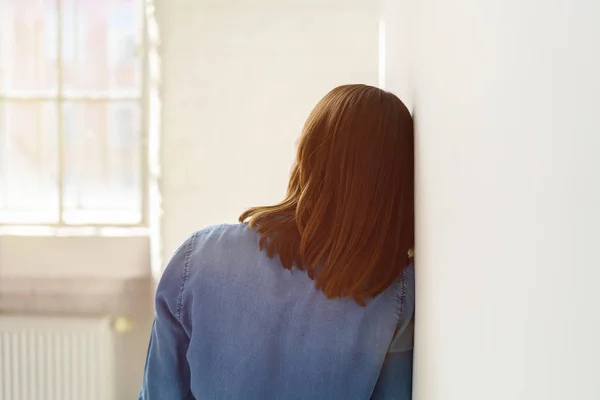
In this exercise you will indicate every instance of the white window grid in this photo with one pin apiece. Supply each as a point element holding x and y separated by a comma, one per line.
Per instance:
<point>59,97</point>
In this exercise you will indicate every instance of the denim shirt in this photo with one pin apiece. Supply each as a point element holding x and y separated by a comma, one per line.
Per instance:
<point>232,323</point>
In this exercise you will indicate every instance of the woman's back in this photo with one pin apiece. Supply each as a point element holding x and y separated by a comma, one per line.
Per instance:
<point>250,329</point>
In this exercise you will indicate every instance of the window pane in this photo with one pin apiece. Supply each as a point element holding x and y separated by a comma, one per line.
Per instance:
<point>28,45</point>
<point>28,162</point>
<point>102,178</point>
<point>100,41</point>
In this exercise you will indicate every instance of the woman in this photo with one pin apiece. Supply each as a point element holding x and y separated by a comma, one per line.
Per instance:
<point>311,298</point>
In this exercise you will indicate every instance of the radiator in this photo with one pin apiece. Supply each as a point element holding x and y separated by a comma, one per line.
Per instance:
<point>45,358</point>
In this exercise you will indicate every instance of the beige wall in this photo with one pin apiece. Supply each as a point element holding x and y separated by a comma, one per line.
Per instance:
<point>74,257</point>
<point>239,79</point>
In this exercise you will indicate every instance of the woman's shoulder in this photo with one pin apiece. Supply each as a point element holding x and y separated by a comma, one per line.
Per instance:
<point>214,248</point>
<point>214,243</point>
<point>231,236</point>
<point>226,229</point>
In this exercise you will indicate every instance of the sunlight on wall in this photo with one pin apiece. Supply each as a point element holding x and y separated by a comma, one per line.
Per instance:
<point>154,108</point>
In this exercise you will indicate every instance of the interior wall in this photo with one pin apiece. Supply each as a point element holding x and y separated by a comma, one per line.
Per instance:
<point>238,81</point>
<point>397,44</point>
<point>508,218</point>
<point>42,257</point>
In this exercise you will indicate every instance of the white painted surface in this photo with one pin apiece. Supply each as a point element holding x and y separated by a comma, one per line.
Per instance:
<point>74,257</point>
<point>45,358</point>
<point>239,80</point>
<point>508,242</point>
<point>396,19</point>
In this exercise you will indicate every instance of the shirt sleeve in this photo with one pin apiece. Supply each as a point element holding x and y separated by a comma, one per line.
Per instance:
<point>167,374</point>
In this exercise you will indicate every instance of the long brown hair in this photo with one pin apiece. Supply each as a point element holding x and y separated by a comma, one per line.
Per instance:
<point>348,217</point>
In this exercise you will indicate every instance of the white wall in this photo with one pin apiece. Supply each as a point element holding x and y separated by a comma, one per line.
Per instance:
<point>238,80</point>
<point>74,257</point>
<point>508,174</point>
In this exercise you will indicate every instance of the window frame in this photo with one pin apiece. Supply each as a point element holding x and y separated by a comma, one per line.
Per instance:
<point>58,98</point>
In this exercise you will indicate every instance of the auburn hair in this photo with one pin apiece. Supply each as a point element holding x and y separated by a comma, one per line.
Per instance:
<point>348,217</point>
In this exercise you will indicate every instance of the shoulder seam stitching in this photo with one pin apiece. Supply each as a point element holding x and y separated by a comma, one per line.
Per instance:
<point>186,268</point>
<point>401,294</point>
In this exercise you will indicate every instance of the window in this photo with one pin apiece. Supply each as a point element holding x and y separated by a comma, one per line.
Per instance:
<point>71,140</point>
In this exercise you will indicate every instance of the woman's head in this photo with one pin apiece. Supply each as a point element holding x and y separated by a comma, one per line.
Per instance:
<point>348,217</point>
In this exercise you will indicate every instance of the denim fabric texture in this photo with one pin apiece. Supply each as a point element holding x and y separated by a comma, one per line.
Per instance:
<point>232,323</point>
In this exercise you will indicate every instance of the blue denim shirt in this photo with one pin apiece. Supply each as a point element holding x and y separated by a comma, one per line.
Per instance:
<point>232,323</point>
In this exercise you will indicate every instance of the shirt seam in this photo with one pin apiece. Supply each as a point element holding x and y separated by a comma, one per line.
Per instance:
<point>401,311</point>
<point>401,296</point>
<point>189,247</point>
